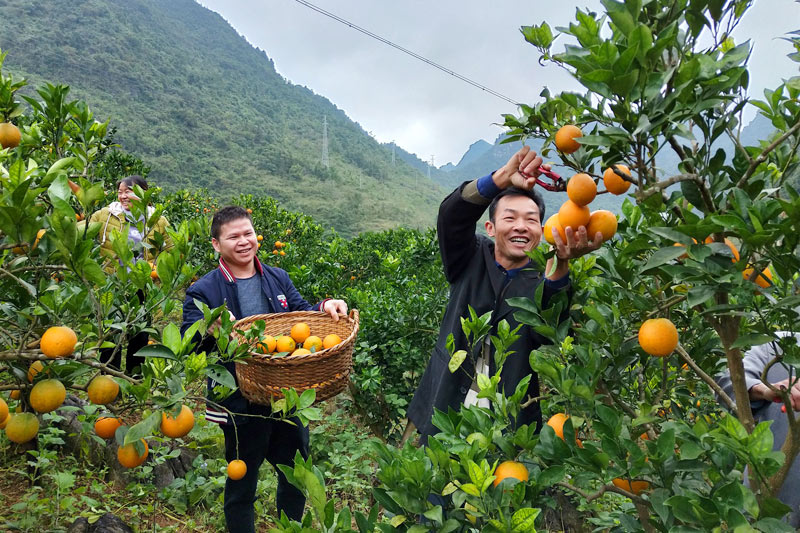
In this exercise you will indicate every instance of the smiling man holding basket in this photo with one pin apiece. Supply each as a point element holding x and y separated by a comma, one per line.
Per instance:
<point>248,287</point>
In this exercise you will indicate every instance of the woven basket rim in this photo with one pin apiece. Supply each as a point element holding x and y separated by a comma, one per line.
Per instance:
<point>261,358</point>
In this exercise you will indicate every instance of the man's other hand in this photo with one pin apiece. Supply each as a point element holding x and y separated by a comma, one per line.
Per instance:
<point>335,308</point>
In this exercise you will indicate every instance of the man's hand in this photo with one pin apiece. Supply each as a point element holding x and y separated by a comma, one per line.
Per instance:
<point>526,162</point>
<point>759,391</point>
<point>577,243</point>
<point>335,308</point>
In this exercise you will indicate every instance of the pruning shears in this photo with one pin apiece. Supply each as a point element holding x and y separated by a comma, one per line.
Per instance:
<point>558,182</point>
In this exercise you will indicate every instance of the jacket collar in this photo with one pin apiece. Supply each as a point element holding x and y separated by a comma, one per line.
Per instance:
<point>116,209</point>
<point>226,271</point>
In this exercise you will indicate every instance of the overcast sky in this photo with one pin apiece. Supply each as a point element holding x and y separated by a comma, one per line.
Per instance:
<point>424,110</point>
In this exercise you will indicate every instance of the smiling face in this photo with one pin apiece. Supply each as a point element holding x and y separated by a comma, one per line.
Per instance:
<point>516,229</point>
<point>237,244</point>
<point>125,195</point>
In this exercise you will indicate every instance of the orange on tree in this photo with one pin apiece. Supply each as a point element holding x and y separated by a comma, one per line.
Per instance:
<point>573,215</point>
<point>285,344</point>
<point>106,426</point>
<point>636,487</point>
<point>282,252</point>
<point>763,280</point>
<point>39,235</point>
<point>279,244</point>
<point>3,410</point>
<point>260,238</point>
<point>330,341</point>
<point>613,182</point>
<point>47,395</point>
<point>565,138</point>
<point>300,332</point>
<point>14,394</point>
<point>10,136</point>
<point>557,423</point>
<point>313,343</point>
<point>249,211</point>
<point>237,469</point>
<point>4,422</point>
<point>129,457</point>
<point>301,351</point>
<point>22,427</point>
<point>36,367</point>
<point>581,189</point>
<point>603,221</point>
<point>58,341</point>
<point>510,469</point>
<point>267,344</point>
<point>178,426</point>
<point>730,244</point>
<point>102,390</point>
<point>658,337</point>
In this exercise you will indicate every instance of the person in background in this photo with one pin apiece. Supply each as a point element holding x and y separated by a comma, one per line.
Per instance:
<point>766,405</point>
<point>248,287</point>
<point>117,217</point>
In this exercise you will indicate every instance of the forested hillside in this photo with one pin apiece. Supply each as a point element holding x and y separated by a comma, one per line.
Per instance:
<point>204,108</point>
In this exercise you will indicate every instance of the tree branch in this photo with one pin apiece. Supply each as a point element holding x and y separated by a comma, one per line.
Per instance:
<point>763,155</point>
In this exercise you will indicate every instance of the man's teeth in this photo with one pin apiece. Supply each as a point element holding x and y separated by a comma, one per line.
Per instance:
<point>519,239</point>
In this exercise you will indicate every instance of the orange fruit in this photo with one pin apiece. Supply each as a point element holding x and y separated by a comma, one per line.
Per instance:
<point>763,280</point>
<point>47,395</point>
<point>10,135</point>
<point>552,222</point>
<point>102,390</point>
<point>330,341</point>
<point>658,337</point>
<point>267,344</point>
<point>14,394</point>
<point>300,332</point>
<point>615,184</point>
<point>279,244</point>
<point>58,341</point>
<point>730,244</point>
<point>3,410</point>
<point>581,189</point>
<point>313,343</point>
<point>249,211</point>
<point>510,469</point>
<point>573,215</point>
<point>282,252</point>
<point>106,426</point>
<point>4,422</point>
<point>22,427</point>
<point>301,351</point>
<point>565,138</point>
<point>636,487</point>
<point>285,344</point>
<point>78,216</point>
<point>153,274</point>
<point>237,469</point>
<point>275,252</point>
<point>603,221</point>
<point>260,238</point>
<point>128,457</point>
<point>557,423</point>
<point>35,368</point>
<point>179,426</point>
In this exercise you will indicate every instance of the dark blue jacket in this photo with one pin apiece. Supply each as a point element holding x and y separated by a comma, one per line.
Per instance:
<point>219,287</point>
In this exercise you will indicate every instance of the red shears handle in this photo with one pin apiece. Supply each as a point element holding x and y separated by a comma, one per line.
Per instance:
<point>558,182</point>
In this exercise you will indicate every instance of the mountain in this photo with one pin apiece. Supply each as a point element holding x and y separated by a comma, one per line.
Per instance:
<point>203,108</point>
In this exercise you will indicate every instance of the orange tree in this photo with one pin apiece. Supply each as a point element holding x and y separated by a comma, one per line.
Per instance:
<point>52,274</point>
<point>664,82</point>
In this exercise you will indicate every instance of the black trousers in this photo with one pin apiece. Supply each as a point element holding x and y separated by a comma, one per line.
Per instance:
<point>259,439</point>
<point>135,343</point>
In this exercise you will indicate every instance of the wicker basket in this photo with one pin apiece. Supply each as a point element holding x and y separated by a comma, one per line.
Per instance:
<point>262,376</point>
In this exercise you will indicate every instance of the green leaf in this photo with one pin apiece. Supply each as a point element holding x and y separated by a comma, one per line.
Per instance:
<point>143,429</point>
<point>663,256</point>
<point>221,375</point>
<point>306,398</point>
<point>524,520</point>
<point>619,15</point>
<point>470,489</point>
<point>157,351</point>
<point>171,337</point>
<point>456,360</point>
<point>642,39</point>
<point>754,339</point>
<point>700,295</point>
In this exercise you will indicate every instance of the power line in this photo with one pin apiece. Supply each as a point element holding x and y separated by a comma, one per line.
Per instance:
<point>406,51</point>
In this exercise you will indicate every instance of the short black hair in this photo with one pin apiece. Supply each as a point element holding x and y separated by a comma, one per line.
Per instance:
<point>227,214</point>
<point>514,191</point>
<point>132,181</point>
